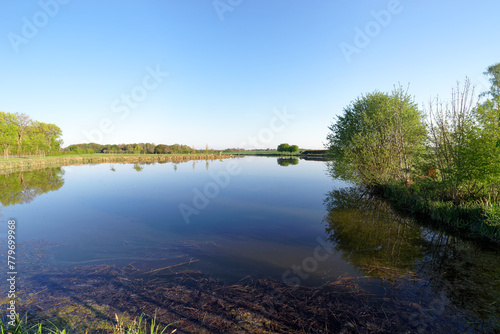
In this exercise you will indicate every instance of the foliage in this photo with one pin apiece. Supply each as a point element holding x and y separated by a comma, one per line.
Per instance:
<point>379,137</point>
<point>20,135</point>
<point>447,167</point>
<point>173,149</point>
<point>463,147</point>
<point>8,132</point>
<point>479,217</point>
<point>288,148</point>
<point>134,148</point>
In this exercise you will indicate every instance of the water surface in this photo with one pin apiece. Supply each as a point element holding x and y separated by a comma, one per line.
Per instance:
<point>267,217</point>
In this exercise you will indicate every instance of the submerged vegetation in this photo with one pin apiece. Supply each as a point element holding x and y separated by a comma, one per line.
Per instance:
<point>444,163</point>
<point>190,302</point>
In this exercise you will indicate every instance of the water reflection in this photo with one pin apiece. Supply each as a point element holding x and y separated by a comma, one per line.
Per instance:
<point>288,161</point>
<point>137,167</point>
<point>384,243</point>
<point>369,233</point>
<point>23,187</point>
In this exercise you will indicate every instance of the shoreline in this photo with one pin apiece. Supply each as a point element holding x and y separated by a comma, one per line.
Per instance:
<point>194,302</point>
<point>12,165</point>
<point>472,218</point>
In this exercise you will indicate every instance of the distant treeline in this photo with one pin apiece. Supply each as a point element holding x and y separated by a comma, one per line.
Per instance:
<point>150,148</point>
<point>20,135</point>
<point>137,148</point>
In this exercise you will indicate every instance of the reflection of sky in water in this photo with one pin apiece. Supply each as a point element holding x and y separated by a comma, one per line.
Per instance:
<point>265,222</point>
<point>266,219</point>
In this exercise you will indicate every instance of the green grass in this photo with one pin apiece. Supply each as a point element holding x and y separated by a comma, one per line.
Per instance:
<point>481,217</point>
<point>122,326</point>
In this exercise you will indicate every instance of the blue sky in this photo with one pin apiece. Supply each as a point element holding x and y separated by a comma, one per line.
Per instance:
<point>232,64</point>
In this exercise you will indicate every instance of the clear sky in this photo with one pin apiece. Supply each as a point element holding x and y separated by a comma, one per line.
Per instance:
<point>218,72</point>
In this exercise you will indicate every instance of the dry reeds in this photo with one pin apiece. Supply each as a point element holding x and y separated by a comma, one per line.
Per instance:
<point>23,164</point>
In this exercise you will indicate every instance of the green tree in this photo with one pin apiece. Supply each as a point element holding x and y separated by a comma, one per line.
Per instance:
<point>380,137</point>
<point>486,142</point>
<point>488,112</point>
<point>464,141</point>
<point>293,149</point>
<point>114,149</point>
<point>8,133</point>
<point>283,147</point>
<point>24,123</point>
<point>137,149</point>
<point>34,141</point>
<point>161,149</point>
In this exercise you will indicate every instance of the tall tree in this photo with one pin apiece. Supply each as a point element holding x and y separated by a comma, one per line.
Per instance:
<point>464,139</point>
<point>8,132</point>
<point>24,122</point>
<point>379,138</point>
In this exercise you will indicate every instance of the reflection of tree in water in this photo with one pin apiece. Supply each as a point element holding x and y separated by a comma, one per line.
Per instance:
<point>371,234</point>
<point>23,187</point>
<point>467,274</point>
<point>138,167</point>
<point>288,161</point>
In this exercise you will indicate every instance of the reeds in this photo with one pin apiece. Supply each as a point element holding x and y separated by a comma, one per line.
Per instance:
<point>23,164</point>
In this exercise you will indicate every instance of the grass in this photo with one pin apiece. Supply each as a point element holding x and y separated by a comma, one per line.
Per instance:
<point>122,326</point>
<point>480,217</point>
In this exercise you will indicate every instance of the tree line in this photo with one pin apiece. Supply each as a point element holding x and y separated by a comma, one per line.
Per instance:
<point>135,148</point>
<point>20,135</point>
<point>445,158</point>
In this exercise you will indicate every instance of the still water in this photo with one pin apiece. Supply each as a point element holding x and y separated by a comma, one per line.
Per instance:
<point>283,219</point>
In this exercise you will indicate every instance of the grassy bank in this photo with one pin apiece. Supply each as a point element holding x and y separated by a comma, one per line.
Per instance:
<point>122,325</point>
<point>476,217</point>
<point>28,163</point>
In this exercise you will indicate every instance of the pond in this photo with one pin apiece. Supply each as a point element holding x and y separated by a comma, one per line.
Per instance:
<point>282,219</point>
